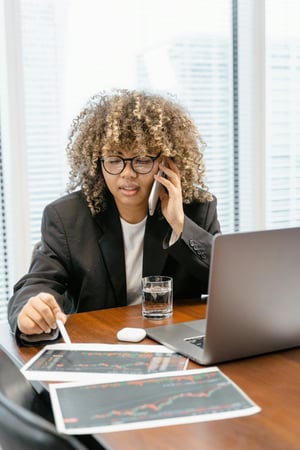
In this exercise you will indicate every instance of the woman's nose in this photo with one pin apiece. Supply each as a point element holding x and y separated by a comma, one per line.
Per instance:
<point>128,170</point>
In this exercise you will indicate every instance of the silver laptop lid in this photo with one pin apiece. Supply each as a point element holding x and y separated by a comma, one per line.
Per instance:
<point>254,289</point>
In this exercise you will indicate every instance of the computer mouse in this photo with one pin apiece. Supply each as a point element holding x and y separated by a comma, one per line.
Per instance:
<point>131,334</point>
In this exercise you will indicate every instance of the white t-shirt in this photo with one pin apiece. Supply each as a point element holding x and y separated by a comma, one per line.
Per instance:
<point>133,235</point>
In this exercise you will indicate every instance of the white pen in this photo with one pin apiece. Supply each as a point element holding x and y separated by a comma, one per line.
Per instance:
<point>63,331</point>
<point>186,363</point>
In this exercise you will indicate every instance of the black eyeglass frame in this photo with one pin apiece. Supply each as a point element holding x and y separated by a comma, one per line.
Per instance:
<point>124,161</point>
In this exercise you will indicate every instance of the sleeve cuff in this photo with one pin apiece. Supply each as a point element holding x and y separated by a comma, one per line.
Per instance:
<point>35,339</point>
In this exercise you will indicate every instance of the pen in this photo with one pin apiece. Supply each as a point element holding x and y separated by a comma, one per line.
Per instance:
<point>186,363</point>
<point>63,331</point>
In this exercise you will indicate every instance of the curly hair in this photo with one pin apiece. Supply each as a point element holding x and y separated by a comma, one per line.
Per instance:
<point>139,122</point>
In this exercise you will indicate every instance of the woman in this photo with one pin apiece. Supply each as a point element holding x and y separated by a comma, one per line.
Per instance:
<point>98,241</point>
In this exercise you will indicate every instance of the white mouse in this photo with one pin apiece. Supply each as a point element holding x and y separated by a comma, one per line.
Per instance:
<point>131,334</point>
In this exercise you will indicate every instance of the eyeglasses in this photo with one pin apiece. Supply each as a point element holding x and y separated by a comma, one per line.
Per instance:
<point>139,164</point>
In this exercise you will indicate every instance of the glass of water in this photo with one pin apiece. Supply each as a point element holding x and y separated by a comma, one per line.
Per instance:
<point>157,297</point>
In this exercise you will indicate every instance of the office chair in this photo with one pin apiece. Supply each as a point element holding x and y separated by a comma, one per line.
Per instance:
<point>22,429</point>
<point>26,419</point>
<point>14,386</point>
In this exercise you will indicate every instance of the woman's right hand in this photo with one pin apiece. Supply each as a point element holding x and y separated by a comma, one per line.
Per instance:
<point>39,315</point>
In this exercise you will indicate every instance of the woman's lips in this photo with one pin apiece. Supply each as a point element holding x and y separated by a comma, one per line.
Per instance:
<point>129,190</point>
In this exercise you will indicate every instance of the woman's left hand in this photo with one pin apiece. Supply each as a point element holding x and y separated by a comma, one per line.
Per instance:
<point>171,196</point>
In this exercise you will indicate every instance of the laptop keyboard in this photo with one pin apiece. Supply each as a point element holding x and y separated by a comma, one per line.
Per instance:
<point>197,340</point>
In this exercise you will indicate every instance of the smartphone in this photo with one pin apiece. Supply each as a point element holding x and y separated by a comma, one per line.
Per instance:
<point>154,194</point>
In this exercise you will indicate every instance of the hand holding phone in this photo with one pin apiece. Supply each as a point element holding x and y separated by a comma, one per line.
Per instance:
<point>154,194</point>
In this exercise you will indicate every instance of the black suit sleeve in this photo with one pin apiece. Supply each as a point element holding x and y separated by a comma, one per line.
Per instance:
<point>49,268</point>
<point>194,246</point>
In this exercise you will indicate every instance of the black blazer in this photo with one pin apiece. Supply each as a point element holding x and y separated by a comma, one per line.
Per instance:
<point>81,258</point>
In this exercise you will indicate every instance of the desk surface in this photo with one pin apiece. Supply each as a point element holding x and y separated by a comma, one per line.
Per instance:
<point>272,381</point>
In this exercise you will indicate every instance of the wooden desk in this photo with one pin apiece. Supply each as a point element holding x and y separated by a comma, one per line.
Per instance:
<point>272,381</point>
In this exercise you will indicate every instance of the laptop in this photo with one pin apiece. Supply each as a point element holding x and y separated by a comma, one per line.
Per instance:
<point>253,302</point>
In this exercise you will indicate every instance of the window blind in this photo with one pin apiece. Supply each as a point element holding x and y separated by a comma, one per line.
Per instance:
<point>4,275</point>
<point>283,113</point>
<point>43,64</point>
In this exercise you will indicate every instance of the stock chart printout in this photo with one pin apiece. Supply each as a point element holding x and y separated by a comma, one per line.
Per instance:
<point>159,400</point>
<point>70,362</point>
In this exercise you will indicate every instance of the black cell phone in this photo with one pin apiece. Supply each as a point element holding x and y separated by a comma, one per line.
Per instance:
<point>154,194</point>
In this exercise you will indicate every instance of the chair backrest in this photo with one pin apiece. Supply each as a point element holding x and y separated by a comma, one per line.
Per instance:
<point>22,429</point>
<point>26,419</point>
<point>14,386</point>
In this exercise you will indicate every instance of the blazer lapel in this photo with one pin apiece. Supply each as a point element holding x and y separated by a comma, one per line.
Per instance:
<point>112,248</point>
<point>154,255</point>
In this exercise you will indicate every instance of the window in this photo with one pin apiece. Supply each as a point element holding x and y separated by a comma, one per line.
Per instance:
<point>233,64</point>
<point>283,113</point>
